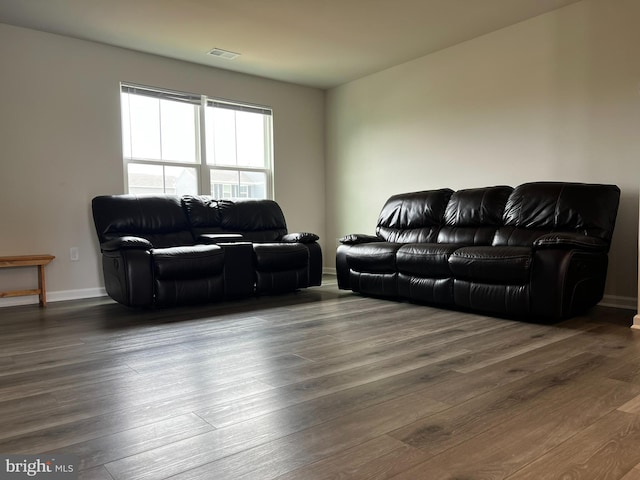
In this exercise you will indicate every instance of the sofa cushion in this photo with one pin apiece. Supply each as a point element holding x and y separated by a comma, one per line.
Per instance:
<point>158,219</point>
<point>257,220</point>
<point>413,217</point>
<point>378,257</point>
<point>473,215</point>
<point>187,262</point>
<point>494,265</point>
<point>201,210</point>
<point>538,208</point>
<point>425,259</point>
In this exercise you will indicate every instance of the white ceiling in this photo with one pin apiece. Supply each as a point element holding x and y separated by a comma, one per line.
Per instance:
<point>320,43</point>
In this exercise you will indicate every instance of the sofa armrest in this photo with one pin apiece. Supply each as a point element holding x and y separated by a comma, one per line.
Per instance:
<point>301,237</point>
<point>126,243</point>
<point>355,238</point>
<point>128,275</point>
<point>571,240</point>
<point>215,238</point>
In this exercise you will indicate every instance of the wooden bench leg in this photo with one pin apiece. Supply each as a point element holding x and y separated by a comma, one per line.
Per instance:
<point>42,286</point>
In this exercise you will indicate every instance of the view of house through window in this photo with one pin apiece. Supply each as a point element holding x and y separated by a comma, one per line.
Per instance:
<point>190,144</point>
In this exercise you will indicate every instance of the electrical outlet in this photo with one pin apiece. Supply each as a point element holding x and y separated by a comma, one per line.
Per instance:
<point>74,254</point>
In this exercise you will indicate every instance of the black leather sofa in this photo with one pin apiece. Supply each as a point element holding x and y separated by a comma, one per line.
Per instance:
<point>538,250</point>
<point>165,250</point>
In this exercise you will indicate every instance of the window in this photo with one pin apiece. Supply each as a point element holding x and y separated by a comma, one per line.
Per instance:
<point>192,144</point>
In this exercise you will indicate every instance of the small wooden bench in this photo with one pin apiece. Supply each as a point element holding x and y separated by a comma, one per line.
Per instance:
<point>27,261</point>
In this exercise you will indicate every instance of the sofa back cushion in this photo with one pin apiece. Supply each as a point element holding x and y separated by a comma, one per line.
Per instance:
<point>159,219</point>
<point>202,213</point>
<point>472,216</point>
<point>414,217</point>
<point>256,220</point>
<point>534,209</point>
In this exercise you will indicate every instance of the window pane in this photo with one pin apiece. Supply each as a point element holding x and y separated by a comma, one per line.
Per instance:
<point>181,180</point>
<point>231,184</point>
<point>221,182</point>
<point>144,178</point>
<point>236,138</point>
<point>255,184</point>
<point>178,132</point>
<point>250,139</point>
<point>155,129</point>
<point>221,136</point>
<point>143,119</point>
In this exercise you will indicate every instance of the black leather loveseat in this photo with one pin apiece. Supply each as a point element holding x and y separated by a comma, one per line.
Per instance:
<point>164,250</point>
<point>539,250</point>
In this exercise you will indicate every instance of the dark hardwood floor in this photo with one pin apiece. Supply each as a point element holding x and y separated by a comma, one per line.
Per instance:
<point>320,384</point>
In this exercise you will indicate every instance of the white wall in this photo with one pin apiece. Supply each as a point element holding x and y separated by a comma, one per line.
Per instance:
<point>556,97</point>
<point>60,146</point>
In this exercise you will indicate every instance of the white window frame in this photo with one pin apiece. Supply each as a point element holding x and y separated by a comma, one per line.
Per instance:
<point>203,168</point>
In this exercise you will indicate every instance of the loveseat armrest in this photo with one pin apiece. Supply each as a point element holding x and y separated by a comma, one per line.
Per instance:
<point>571,240</point>
<point>215,238</point>
<point>300,237</point>
<point>356,238</point>
<point>128,276</point>
<point>309,240</point>
<point>127,242</point>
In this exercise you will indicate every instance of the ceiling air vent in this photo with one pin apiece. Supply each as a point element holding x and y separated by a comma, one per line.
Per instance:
<point>226,54</point>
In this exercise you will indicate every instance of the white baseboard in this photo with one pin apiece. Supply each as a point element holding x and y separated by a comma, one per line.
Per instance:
<point>76,294</point>
<point>628,303</point>
<point>59,296</point>
<point>329,271</point>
